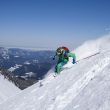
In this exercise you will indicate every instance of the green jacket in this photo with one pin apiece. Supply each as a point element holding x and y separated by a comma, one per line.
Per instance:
<point>65,58</point>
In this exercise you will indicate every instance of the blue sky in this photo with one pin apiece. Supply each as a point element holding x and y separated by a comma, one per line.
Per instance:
<point>52,23</point>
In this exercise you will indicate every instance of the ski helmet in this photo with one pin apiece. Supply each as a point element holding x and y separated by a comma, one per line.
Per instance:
<point>59,51</point>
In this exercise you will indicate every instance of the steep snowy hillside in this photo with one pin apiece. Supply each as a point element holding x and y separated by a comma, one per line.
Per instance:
<point>82,86</point>
<point>93,46</point>
<point>7,89</point>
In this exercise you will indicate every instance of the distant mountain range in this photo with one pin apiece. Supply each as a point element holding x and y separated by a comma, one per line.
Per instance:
<point>26,64</point>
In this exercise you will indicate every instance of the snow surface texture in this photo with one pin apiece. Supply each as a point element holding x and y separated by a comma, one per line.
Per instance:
<point>7,89</point>
<point>84,86</point>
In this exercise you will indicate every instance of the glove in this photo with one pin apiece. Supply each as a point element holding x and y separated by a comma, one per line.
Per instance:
<point>74,61</point>
<point>53,58</point>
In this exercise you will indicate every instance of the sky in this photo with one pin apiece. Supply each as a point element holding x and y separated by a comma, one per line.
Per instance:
<point>52,23</point>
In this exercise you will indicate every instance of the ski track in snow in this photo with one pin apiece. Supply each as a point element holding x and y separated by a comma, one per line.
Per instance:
<point>63,100</point>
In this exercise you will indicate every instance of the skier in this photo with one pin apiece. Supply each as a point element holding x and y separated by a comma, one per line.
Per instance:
<point>62,55</point>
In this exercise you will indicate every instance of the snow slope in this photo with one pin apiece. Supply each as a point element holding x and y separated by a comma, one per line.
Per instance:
<point>7,89</point>
<point>83,86</point>
<point>93,46</point>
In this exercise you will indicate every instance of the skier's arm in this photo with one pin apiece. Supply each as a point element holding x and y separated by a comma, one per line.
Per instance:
<point>73,56</point>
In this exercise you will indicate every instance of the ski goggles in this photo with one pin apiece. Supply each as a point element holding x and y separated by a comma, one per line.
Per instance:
<point>59,52</point>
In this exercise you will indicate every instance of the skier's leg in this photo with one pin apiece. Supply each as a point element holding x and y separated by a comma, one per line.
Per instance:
<point>59,66</point>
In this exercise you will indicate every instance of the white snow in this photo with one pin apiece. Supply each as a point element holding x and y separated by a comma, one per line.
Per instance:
<point>14,68</point>
<point>92,47</point>
<point>82,86</point>
<point>7,89</point>
<point>27,63</point>
<point>16,56</point>
<point>30,74</point>
<point>4,53</point>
